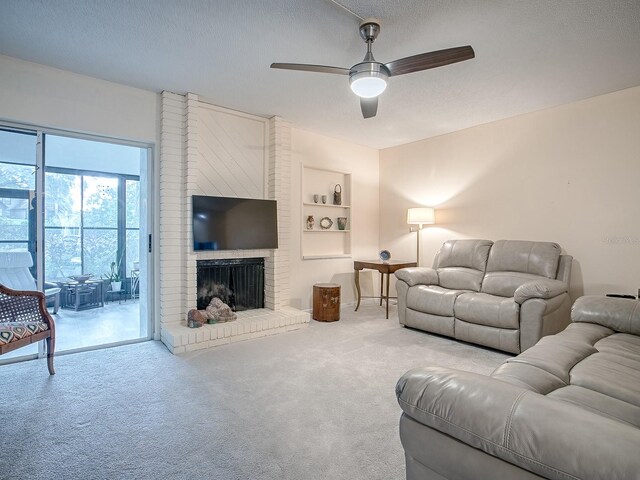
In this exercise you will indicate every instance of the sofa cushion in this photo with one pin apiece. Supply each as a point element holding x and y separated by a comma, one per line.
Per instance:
<point>432,299</point>
<point>598,403</point>
<point>461,263</point>
<point>593,360</point>
<point>596,373</point>
<point>490,310</point>
<point>512,263</point>
<point>505,339</point>
<point>429,323</point>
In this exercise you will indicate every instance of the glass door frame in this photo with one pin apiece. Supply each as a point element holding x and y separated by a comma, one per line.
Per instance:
<point>151,215</point>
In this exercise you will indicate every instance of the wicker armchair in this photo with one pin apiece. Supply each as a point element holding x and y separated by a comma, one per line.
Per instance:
<point>24,320</point>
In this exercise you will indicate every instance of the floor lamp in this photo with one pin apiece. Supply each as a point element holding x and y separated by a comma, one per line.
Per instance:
<point>420,216</point>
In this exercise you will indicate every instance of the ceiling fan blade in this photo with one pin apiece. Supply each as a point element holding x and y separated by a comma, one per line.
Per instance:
<point>311,68</point>
<point>424,61</point>
<point>369,106</point>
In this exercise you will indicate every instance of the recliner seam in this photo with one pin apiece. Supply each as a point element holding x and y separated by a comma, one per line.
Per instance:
<point>631,316</point>
<point>529,256</point>
<point>510,417</point>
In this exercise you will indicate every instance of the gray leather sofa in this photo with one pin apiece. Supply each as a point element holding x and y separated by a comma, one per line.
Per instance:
<point>505,295</point>
<point>567,408</point>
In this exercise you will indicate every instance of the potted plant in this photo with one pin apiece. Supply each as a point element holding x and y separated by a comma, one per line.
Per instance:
<point>114,276</point>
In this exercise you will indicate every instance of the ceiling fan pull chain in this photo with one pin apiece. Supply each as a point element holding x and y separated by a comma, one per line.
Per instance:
<point>346,9</point>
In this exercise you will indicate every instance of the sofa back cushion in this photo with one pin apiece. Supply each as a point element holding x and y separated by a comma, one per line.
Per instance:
<point>461,264</point>
<point>514,262</point>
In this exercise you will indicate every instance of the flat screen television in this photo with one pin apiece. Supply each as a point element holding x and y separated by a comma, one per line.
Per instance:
<point>221,223</point>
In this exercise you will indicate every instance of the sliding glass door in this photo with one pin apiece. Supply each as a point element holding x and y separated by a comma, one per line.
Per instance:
<point>93,233</point>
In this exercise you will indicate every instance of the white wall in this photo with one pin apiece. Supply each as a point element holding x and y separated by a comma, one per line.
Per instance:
<point>569,174</point>
<point>49,97</point>
<point>320,151</point>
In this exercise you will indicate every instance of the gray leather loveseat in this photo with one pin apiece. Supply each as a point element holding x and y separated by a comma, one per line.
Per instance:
<point>567,408</point>
<point>505,295</point>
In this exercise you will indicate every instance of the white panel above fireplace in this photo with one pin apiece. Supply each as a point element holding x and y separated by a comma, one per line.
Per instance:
<point>231,153</point>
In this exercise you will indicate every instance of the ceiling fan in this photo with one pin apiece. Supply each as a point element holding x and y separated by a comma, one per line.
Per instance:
<point>368,79</point>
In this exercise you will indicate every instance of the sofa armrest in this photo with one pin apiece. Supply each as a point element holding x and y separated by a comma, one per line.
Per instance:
<point>619,314</point>
<point>544,288</point>
<point>418,276</point>
<point>549,437</point>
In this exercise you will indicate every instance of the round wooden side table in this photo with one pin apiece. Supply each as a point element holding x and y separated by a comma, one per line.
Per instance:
<point>326,302</point>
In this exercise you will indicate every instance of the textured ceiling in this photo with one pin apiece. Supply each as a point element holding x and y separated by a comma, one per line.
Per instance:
<point>529,55</point>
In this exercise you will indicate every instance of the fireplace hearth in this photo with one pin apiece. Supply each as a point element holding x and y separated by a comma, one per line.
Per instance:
<point>238,282</point>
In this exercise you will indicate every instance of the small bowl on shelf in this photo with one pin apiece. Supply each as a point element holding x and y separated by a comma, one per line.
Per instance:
<point>81,278</point>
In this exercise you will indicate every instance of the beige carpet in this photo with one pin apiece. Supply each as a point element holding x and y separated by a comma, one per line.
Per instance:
<point>317,403</point>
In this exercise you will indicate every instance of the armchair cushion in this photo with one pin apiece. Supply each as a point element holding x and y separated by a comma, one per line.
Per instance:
<point>13,331</point>
<point>541,288</point>
<point>24,319</point>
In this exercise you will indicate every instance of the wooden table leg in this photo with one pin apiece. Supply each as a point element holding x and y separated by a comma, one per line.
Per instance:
<point>357,278</point>
<point>387,296</point>
<point>381,286</point>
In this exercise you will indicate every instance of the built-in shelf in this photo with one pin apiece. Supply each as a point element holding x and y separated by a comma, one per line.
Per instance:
<point>321,257</point>
<point>322,181</point>
<point>310,204</point>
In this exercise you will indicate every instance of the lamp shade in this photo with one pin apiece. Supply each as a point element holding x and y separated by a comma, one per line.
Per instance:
<point>421,216</point>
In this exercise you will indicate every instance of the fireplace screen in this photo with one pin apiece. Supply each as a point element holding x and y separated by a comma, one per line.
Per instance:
<point>237,282</point>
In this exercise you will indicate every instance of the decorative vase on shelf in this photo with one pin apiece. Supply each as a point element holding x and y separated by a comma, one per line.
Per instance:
<point>310,222</point>
<point>342,223</point>
<point>116,286</point>
<point>337,195</point>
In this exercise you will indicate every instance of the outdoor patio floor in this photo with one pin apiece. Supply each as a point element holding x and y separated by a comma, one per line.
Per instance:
<point>115,322</point>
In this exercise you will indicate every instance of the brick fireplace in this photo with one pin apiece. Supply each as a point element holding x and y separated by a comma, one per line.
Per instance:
<point>208,150</point>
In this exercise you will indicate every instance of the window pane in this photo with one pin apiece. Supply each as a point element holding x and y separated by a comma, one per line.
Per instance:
<point>133,249</point>
<point>100,249</point>
<point>62,203</point>
<point>92,155</point>
<point>18,160</point>
<point>8,247</point>
<point>62,253</point>
<point>14,218</point>
<point>133,204</point>
<point>100,207</point>
<point>21,177</point>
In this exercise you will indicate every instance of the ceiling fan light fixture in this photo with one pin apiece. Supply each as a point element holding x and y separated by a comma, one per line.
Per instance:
<point>368,79</point>
<point>368,84</point>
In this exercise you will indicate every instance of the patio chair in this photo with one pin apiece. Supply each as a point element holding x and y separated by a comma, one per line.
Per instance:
<point>15,274</point>
<point>24,320</point>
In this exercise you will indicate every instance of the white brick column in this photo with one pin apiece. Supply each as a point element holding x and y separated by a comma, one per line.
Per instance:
<point>277,289</point>
<point>172,212</point>
<point>191,188</point>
